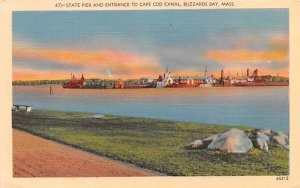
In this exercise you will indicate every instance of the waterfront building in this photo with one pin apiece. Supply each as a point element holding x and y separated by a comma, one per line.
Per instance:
<point>235,80</point>
<point>184,80</point>
<point>119,84</point>
<point>145,81</point>
<point>164,80</point>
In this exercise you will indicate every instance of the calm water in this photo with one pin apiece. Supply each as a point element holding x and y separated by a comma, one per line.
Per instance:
<point>266,107</point>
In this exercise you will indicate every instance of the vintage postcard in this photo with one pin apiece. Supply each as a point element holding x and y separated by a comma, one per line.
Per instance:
<point>135,93</point>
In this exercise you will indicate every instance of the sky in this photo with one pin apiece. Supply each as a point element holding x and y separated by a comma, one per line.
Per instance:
<point>142,43</point>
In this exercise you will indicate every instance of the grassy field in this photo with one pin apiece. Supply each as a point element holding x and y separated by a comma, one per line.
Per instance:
<point>149,143</point>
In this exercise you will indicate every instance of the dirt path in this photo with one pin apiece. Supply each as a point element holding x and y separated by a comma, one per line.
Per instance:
<point>36,157</point>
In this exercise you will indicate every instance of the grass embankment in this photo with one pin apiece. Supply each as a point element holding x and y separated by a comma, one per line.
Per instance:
<point>153,144</point>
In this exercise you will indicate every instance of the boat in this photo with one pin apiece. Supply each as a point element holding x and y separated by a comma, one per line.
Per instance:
<point>75,83</point>
<point>247,84</point>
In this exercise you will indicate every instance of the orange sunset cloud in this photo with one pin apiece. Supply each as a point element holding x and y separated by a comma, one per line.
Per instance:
<point>118,62</point>
<point>20,73</point>
<point>279,42</point>
<point>277,52</point>
<point>31,74</point>
<point>244,55</point>
<point>187,72</point>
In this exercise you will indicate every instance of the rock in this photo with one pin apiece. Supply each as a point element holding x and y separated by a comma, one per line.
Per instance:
<point>286,136</point>
<point>212,137</point>
<point>200,144</point>
<point>197,144</point>
<point>287,147</point>
<point>232,141</point>
<point>249,134</point>
<point>261,141</point>
<point>281,139</point>
<point>274,132</point>
<point>265,131</point>
<point>262,136</point>
<point>279,133</point>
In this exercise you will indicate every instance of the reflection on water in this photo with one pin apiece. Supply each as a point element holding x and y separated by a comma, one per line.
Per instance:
<point>266,107</point>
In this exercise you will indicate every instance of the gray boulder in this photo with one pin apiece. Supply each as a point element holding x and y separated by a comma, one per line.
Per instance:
<point>265,131</point>
<point>232,141</point>
<point>261,141</point>
<point>286,136</point>
<point>287,147</point>
<point>197,144</point>
<point>262,136</point>
<point>211,138</point>
<point>200,144</point>
<point>281,139</point>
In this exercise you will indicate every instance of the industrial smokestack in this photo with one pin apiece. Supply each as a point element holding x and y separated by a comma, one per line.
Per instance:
<point>222,75</point>
<point>247,72</point>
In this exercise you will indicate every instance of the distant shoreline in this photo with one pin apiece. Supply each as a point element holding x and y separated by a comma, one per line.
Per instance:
<point>271,84</point>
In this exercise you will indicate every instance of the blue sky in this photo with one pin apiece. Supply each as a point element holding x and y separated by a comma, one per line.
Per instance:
<point>184,40</point>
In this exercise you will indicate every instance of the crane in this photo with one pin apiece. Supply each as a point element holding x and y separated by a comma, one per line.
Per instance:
<point>255,74</point>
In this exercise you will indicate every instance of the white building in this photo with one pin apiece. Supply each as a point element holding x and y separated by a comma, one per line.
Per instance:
<point>145,81</point>
<point>164,80</point>
<point>236,80</point>
<point>183,80</point>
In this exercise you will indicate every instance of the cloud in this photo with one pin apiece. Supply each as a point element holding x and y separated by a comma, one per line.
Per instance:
<point>187,72</point>
<point>279,42</point>
<point>270,55</point>
<point>276,51</point>
<point>248,56</point>
<point>20,73</point>
<point>121,63</point>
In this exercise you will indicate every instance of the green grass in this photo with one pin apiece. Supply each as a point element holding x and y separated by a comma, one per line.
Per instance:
<point>150,143</point>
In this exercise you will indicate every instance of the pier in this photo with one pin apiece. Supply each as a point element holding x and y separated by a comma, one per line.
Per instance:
<point>25,108</point>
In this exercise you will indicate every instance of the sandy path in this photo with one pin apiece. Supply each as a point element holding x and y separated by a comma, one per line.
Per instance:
<point>37,157</point>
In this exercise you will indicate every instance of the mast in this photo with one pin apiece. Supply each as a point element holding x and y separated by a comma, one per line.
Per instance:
<point>51,91</point>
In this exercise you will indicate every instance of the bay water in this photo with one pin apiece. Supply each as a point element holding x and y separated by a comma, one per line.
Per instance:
<point>259,107</point>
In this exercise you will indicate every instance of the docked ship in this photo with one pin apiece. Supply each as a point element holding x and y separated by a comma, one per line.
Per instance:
<point>75,83</point>
<point>250,80</point>
<point>112,84</point>
<point>247,84</point>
